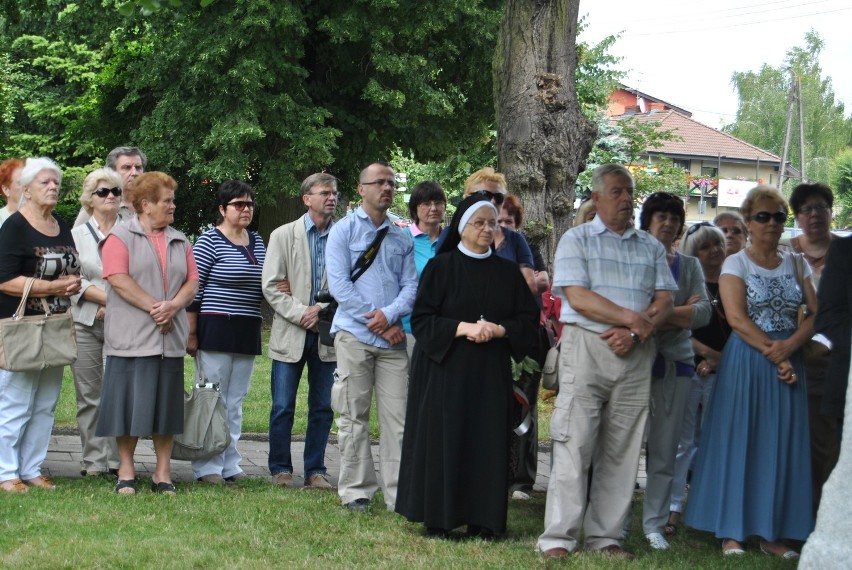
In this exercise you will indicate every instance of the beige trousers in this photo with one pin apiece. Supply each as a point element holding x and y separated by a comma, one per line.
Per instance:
<point>361,369</point>
<point>599,416</point>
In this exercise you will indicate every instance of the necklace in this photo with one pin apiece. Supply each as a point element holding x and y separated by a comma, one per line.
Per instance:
<point>771,263</point>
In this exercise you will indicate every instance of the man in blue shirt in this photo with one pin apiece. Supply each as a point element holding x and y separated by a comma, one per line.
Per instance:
<point>369,339</point>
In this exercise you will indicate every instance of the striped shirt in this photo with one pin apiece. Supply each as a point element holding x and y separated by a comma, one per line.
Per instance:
<point>625,269</point>
<point>229,280</point>
<point>316,245</point>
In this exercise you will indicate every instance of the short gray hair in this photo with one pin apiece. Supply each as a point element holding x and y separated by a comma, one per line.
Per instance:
<point>692,242</point>
<point>35,165</point>
<point>90,184</point>
<point>318,179</point>
<point>120,151</point>
<point>605,169</point>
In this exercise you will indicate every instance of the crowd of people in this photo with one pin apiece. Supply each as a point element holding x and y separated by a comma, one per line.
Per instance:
<point>700,345</point>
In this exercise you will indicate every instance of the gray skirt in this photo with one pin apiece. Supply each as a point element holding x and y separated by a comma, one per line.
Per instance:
<point>141,396</point>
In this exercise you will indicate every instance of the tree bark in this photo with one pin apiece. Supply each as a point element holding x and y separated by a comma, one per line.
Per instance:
<point>543,137</point>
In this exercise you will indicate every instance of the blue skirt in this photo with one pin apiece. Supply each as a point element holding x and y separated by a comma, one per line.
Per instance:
<point>753,470</point>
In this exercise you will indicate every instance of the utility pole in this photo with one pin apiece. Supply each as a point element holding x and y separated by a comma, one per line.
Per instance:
<point>798,83</point>
<point>782,168</point>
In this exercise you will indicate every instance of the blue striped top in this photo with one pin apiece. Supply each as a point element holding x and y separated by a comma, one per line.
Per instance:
<point>229,275</point>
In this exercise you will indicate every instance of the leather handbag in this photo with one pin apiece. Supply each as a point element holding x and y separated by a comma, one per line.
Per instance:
<point>36,342</point>
<point>205,422</point>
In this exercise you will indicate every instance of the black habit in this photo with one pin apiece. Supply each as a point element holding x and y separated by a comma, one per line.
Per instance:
<point>453,470</point>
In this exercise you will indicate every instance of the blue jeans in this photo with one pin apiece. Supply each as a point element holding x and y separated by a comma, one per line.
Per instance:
<point>285,384</point>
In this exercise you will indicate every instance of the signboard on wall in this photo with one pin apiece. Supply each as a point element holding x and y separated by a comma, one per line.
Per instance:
<point>733,192</point>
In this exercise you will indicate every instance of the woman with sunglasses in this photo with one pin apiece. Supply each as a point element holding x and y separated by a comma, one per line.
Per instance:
<point>663,217</point>
<point>752,476</point>
<point>225,319</point>
<point>101,199</point>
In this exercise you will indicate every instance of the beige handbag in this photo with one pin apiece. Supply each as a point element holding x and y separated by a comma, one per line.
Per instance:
<point>38,341</point>
<point>205,421</point>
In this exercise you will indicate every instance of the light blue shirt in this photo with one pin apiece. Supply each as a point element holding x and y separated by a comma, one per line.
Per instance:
<point>626,269</point>
<point>389,285</point>
<point>316,245</point>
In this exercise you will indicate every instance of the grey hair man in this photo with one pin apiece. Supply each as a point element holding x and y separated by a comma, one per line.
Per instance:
<point>129,162</point>
<point>616,288</point>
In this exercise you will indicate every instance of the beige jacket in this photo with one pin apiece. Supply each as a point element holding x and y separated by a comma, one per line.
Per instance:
<point>288,256</point>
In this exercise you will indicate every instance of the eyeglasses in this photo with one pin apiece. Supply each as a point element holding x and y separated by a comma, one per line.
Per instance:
<point>380,182</point>
<point>479,225</point>
<point>104,192</point>
<point>764,217</point>
<point>241,205</point>
<point>496,197</point>
<point>820,209</point>
<point>437,204</point>
<point>325,194</point>
<point>695,227</point>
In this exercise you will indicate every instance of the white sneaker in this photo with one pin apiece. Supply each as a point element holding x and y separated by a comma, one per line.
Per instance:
<point>657,541</point>
<point>520,496</point>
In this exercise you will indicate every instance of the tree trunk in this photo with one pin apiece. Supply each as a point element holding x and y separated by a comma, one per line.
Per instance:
<point>543,137</point>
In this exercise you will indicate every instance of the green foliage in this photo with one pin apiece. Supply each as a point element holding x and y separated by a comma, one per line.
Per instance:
<point>596,75</point>
<point>762,112</point>
<point>841,184</point>
<point>665,178</point>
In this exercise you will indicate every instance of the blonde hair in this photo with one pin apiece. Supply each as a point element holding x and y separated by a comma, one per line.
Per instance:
<point>762,192</point>
<point>486,174</point>
<point>93,180</point>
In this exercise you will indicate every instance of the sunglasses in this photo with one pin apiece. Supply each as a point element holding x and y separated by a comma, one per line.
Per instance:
<point>241,205</point>
<point>496,197</point>
<point>764,217</point>
<point>104,192</point>
<point>695,227</point>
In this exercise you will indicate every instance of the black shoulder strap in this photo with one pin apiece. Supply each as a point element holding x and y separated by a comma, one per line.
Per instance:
<point>94,233</point>
<point>364,262</point>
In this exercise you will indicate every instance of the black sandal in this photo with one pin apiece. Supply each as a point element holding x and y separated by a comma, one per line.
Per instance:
<point>164,488</point>
<point>126,487</point>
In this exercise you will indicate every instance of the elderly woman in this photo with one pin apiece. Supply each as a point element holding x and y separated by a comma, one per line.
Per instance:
<point>101,199</point>
<point>663,217</point>
<point>152,279</point>
<point>10,184</point>
<point>34,244</point>
<point>426,208</point>
<point>225,319</point>
<point>734,228</point>
<point>472,314</point>
<point>706,242</point>
<point>752,475</point>
<point>812,204</point>
<point>508,243</point>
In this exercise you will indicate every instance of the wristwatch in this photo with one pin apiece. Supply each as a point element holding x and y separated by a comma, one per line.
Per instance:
<point>635,337</point>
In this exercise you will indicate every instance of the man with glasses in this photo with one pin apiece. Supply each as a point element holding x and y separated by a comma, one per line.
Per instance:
<point>296,256</point>
<point>369,338</point>
<point>129,162</point>
<point>617,289</point>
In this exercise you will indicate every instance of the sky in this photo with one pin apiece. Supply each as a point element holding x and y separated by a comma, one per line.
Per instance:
<point>685,51</point>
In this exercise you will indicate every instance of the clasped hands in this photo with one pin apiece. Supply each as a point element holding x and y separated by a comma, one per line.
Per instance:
<point>162,312</point>
<point>378,324</point>
<point>620,339</point>
<point>778,352</point>
<point>480,331</point>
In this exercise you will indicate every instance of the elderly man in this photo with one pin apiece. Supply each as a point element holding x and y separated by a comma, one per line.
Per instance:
<point>618,290</point>
<point>129,162</point>
<point>297,256</point>
<point>371,274</point>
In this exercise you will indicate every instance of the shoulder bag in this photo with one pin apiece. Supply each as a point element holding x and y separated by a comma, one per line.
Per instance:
<point>205,422</point>
<point>38,341</point>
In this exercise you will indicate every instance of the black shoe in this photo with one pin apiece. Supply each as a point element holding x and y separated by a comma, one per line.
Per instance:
<point>435,532</point>
<point>475,531</point>
<point>358,505</point>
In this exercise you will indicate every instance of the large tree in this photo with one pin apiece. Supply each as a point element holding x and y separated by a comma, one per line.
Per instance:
<point>543,136</point>
<point>762,112</point>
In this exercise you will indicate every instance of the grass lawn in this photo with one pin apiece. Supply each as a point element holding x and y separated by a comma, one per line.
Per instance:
<point>83,524</point>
